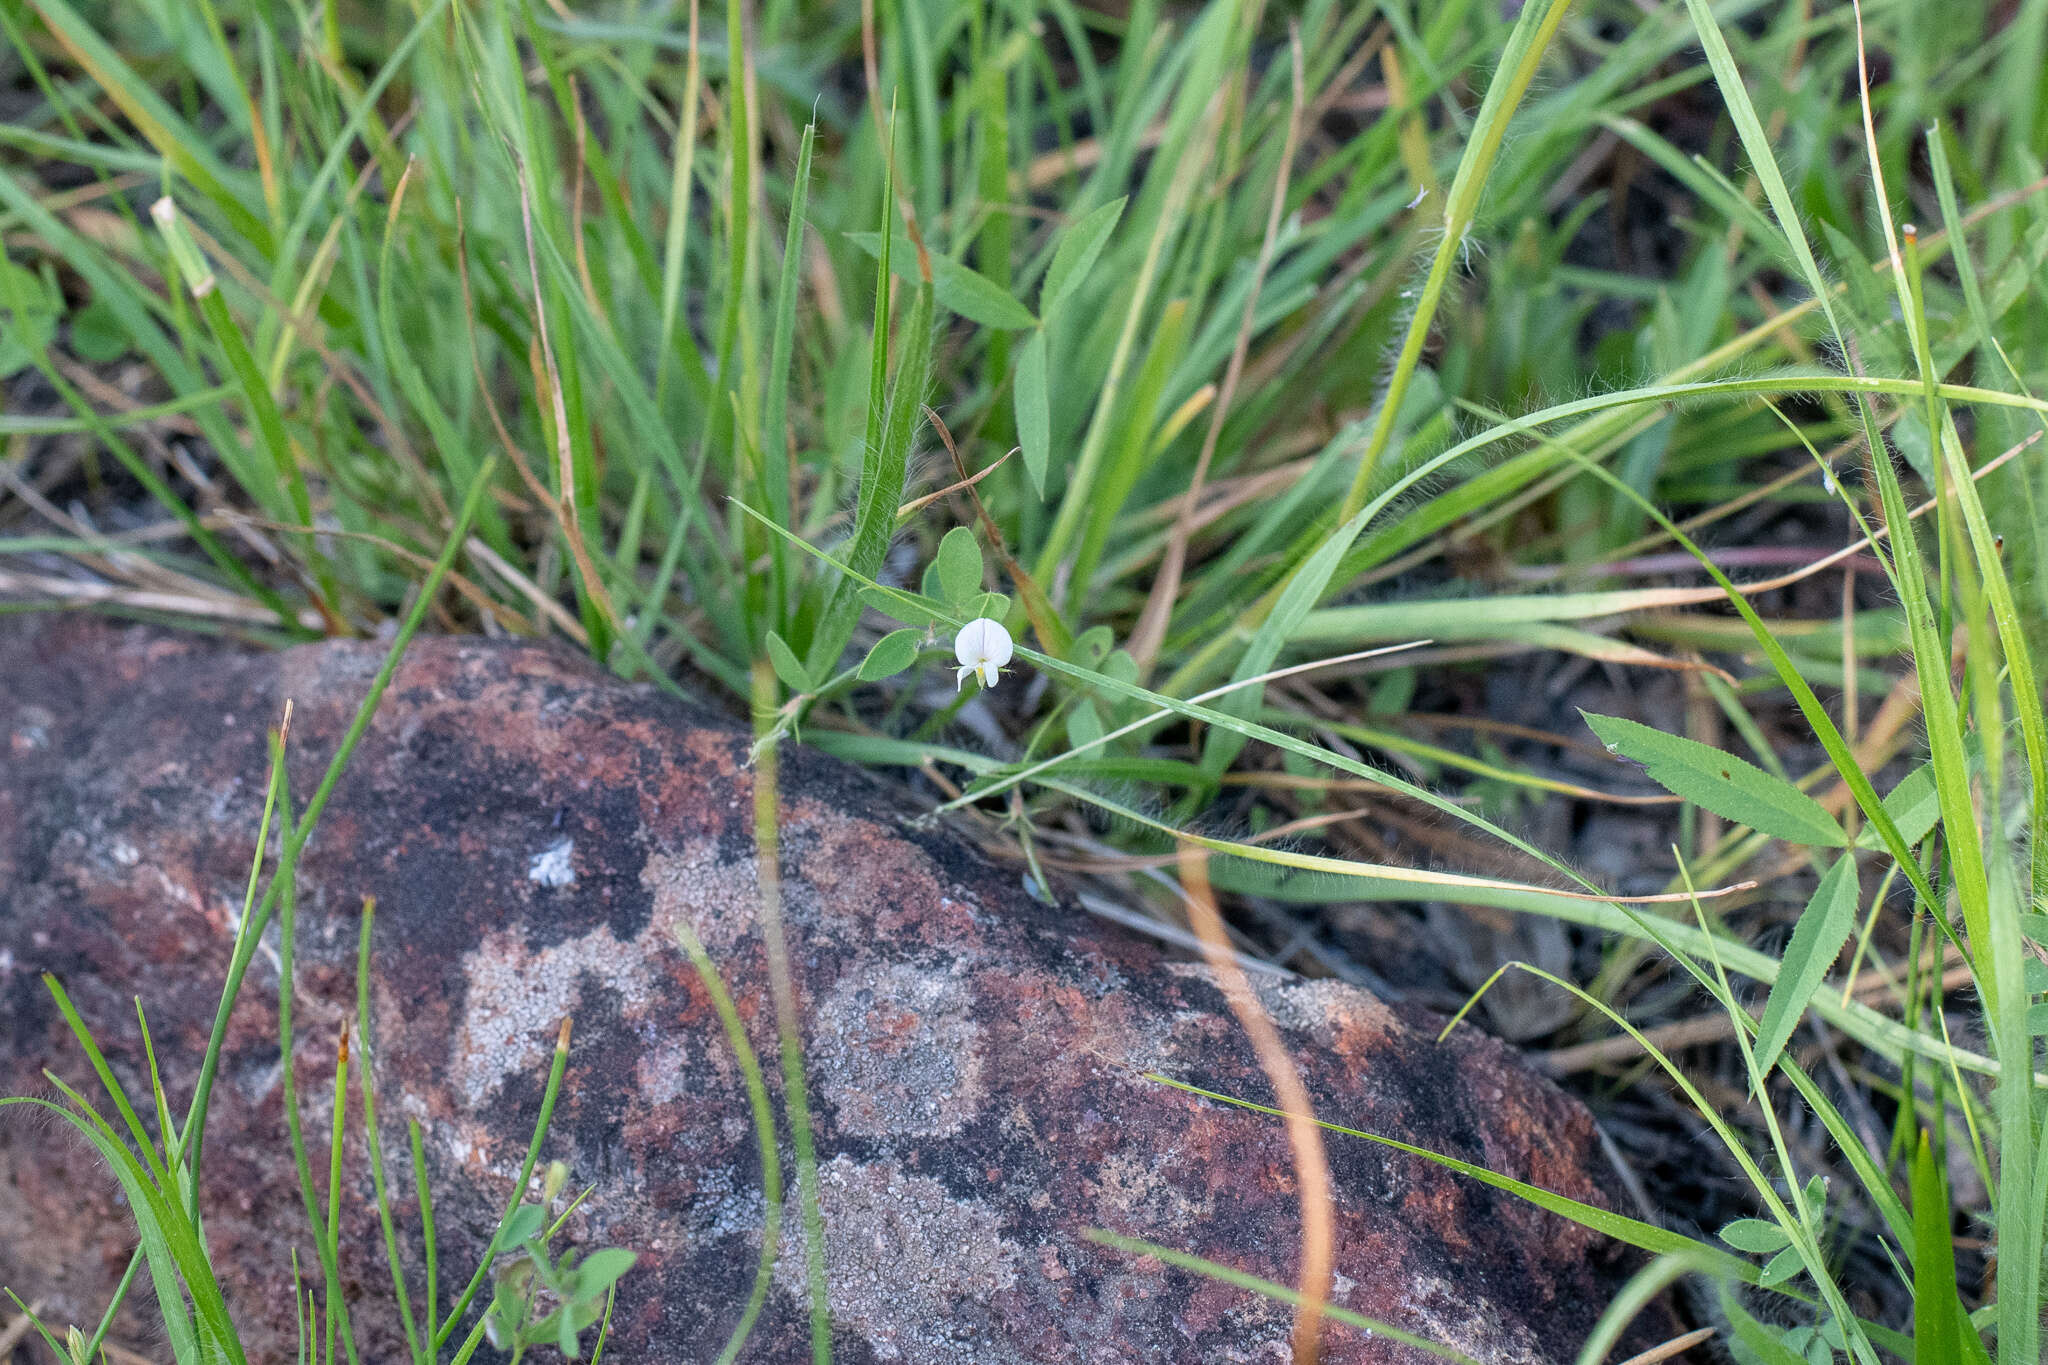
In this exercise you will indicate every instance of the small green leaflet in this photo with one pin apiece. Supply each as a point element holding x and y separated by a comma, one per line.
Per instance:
<point>967,292</point>
<point>1034,410</point>
<point>97,334</point>
<point>1914,806</point>
<point>1782,1267</point>
<point>1757,1236</point>
<point>1730,787</point>
<point>959,566</point>
<point>1824,926</point>
<point>786,665</point>
<point>892,654</point>
<point>1075,256</point>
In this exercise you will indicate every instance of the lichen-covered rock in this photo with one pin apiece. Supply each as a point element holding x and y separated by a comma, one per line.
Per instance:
<point>533,833</point>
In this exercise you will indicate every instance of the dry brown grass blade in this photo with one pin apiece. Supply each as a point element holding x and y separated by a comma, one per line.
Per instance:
<point>543,604</point>
<point>1301,782</point>
<point>16,1332</point>
<point>467,588</point>
<point>1311,1163</point>
<point>43,587</point>
<point>1671,1348</point>
<point>476,365</point>
<point>968,481</point>
<point>1049,168</point>
<point>564,505</point>
<point>1150,631</point>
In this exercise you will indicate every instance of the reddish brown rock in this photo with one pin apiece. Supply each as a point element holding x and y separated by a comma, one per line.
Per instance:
<point>532,833</point>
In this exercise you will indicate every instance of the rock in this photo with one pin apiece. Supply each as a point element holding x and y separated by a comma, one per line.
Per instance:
<point>533,832</point>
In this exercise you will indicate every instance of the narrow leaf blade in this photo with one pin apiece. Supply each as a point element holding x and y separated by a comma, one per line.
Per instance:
<point>1034,410</point>
<point>1824,926</point>
<point>1076,254</point>
<point>1730,787</point>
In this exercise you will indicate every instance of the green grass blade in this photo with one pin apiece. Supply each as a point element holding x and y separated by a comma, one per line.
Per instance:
<point>1643,1236</point>
<point>1271,1289</point>
<point>774,439</point>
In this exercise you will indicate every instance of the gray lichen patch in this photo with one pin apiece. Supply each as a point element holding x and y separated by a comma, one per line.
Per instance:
<point>716,896</point>
<point>896,1052</point>
<point>516,999</point>
<point>910,1269</point>
<point>1318,1006</point>
<point>1142,1187</point>
<point>1443,1312</point>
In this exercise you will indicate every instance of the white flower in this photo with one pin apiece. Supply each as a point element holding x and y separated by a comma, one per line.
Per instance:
<point>983,647</point>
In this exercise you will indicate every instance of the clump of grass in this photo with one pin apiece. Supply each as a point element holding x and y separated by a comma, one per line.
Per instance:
<point>1322,388</point>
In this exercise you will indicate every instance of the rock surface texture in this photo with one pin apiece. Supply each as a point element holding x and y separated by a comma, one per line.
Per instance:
<point>533,833</point>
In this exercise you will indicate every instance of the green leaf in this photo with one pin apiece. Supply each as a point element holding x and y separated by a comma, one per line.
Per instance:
<point>1079,247</point>
<point>1914,805</point>
<point>787,666</point>
<point>1909,435</point>
<point>600,1270</point>
<point>97,334</point>
<point>1034,410</point>
<point>1084,725</point>
<point>523,1225</point>
<point>1730,787</point>
<point>1757,1236</point>
<point>892,654</point>
<point>1824,926</point>
<point>1782,1267</point>
<point>959,565</point>
<point>957,288</point>
<point>994,605</point>
<point>28,318</point>
<point>2037,1019</point>
<point>1092,646</point>
<point>1941,1325</point>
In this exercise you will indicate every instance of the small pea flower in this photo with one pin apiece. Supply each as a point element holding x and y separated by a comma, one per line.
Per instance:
<point>983,647</point>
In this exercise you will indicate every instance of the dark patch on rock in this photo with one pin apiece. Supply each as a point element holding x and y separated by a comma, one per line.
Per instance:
<point>534,833</point>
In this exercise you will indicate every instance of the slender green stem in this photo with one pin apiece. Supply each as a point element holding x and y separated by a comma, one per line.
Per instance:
<point>375,1138</point>
<point>495,1250</point>
<point>788,1015</point>
<point>1526,46</point>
